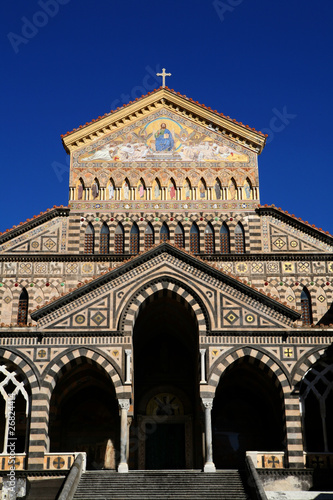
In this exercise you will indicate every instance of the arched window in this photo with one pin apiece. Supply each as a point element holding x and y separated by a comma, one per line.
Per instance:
<point>209,239</point>
<point>164,233</point>
<point>89,239</point>
<point>239,239</point>
<point>134,239</point>
<point>119,239</point>
<point>306,307</point>
<point>149,236</point>
<point>194,238</point>
<point>224,239</point>
<point>22,313</point>
<point>179,236</point>
<point>104,239</point>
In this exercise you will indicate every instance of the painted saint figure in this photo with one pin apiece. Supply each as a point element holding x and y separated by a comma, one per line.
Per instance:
<point>157,191</point>
<point>217,190</point>
<point>126,191</point>
<point>172,191</point>
<point>163,139</point>
<point>94,190</point>
<point>187,191</point>
<point>202,190</point>
<point>141,191</point>
<point>111,191</point>
<point>80,192</point>
<point>247,189</point>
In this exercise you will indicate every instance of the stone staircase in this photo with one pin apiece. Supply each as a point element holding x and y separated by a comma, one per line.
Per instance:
<point>146,485</point>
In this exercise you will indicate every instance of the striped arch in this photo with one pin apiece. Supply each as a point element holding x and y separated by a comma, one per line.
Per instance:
<point>23,365</point>
<point>65,361</point>
<point>306,362</point>
<point>262,360</point>
<point>173,288</point>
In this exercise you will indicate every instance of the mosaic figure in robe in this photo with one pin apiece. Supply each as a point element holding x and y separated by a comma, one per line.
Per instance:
<point>163,139</point>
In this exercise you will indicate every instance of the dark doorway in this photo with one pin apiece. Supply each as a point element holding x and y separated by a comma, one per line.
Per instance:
<point>166,386</point>
<point>165,447</point>
<point>84,416</point>
<point>246,416</point>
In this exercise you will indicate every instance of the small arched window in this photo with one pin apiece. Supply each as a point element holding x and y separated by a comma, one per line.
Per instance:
<point>179,236</point>
<point>22,313</point>
<point>149,236</point>
<point>209,239</point>
<point>194,239</point>
<point>224,239</point>
<point>239,239</point>
<point>134,239</point>
<point>119,239</point>
<point>164,233</point>
<point>306,307</point>
<point>104,239</point>
<point>89,239</point>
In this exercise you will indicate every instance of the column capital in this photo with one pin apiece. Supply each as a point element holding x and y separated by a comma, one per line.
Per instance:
<point>207,403</point>
<point>128,351</point>
<point>124,404</point>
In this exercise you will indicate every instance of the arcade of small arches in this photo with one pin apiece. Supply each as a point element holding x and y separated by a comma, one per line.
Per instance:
<point>170,190</point>
<point>215,238</point>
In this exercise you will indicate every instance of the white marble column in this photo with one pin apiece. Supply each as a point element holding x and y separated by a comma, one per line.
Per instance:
<point>128,353</point>
<point>124,405</point>
<point>209,464</point>
<point>203,366</point>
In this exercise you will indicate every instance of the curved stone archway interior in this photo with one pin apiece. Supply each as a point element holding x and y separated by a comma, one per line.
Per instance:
<point>84,416</point>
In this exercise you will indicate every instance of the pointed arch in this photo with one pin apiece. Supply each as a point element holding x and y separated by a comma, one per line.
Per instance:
<point>179,235</point>
<point>172,190</point>
<point>141,190</point>
<point>80,189</point>
<point>149,236</point>
<point>95,189</point>
<point>209,238</point>
<point>119,238</point>
<point>134,239</point>
<point>194,238</point>
<point>157,191</point>
<point>187,190</point>
<point>224,239</point>
<point>202,188</point>
<point>89,239</point>
<point>306,307</point>
<point>164,233</point>
<point>217,190</point>
<point>104,241</point>
<point>23,304</point>
<point>239,239</point>
<point>232,188</point>
<point>111,189</point>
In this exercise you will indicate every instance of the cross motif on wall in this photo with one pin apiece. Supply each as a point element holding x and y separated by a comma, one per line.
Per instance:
<point>163,75</point>
<point>274,461</point>
<point>288,353</point>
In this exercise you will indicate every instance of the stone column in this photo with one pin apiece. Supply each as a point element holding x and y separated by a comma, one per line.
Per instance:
<point>209,464</point>
<point>203,366</point>
<point>39,423</point>
<point>128,353</point>
<point>124,405</point>
<point>295,451</point>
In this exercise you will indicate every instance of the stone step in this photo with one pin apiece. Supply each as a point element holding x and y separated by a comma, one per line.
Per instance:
<point>146,485</point>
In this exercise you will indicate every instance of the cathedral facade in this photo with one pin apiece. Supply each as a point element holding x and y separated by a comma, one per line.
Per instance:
<point>165,319</point>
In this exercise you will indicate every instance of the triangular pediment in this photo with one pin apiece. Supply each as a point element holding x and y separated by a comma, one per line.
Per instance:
<point>228,303</point>
<point>165,101</point>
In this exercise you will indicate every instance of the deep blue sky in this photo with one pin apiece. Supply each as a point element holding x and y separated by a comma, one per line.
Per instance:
<point>250,59</point>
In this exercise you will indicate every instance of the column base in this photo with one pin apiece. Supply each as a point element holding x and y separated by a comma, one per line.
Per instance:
<point>209,467</point>
<point>123,467</point>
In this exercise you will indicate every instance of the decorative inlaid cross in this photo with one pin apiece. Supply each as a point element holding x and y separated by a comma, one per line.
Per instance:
<point>288,353</point>
<point>163,75</point>
<point>274,461</point>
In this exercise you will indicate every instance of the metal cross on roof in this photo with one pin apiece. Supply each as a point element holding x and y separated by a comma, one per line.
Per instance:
<point>163,75</point>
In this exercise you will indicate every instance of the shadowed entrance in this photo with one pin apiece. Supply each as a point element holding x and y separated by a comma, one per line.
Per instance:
<point>84,416</point>
<point>246,416</point>
<point>166,432</point>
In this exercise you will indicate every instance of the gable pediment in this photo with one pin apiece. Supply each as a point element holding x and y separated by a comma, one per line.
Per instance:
<point>228,303</point>
<point>170,101</point>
